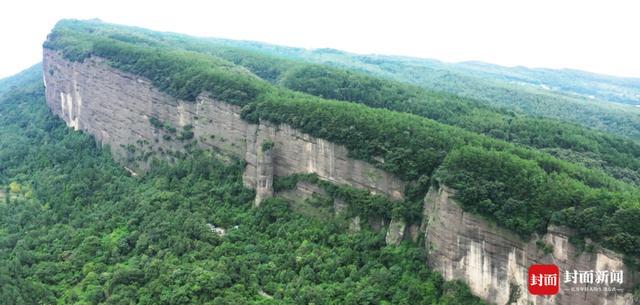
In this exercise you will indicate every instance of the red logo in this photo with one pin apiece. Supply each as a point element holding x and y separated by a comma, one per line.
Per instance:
<point>544,279</point>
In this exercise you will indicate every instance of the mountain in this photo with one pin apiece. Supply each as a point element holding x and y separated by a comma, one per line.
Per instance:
<point>199,170</point>
<point>595,101</point>
<point>605,88</point>
<point>77,228</point>
<point>613,154</point>
<point>576,82</point>
<point>28,76</point>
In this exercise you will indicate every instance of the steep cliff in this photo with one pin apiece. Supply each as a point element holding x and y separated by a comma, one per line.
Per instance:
<point>140,123</point>
<point>495,262</point>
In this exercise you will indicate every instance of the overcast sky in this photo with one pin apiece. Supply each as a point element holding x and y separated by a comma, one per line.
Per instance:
<point>599,36</point>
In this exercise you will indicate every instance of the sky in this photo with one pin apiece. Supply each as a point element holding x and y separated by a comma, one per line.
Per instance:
<point>597,36</point>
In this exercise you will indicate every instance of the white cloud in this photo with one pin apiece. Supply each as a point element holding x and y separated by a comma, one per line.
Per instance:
<point>599,36</point>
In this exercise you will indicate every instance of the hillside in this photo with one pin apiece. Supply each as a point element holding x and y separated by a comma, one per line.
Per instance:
<point>27,76</point>
<point>602,88</point>
<point>579,97</point>
<point>411,147</point>
<point>618,156</point>
<point>85,232</point>
<point>573,82</point>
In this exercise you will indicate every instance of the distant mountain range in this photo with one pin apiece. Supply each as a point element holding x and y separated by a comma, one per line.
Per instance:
<point>625,90</point>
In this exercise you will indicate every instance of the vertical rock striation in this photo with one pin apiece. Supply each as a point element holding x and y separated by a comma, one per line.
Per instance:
<point>264,174</point>
<point>118,108</point>
<point>493,261</point>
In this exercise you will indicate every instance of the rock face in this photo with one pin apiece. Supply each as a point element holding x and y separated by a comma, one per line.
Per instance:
<point>264,174</point>
<point>139,123</point>
<point>119,109</point>
<point>395,232</point>
<point>493,261</point>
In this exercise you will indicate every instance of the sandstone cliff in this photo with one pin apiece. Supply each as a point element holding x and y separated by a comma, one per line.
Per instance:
<point>494,262</point>
<point>117,108</point>
<point>139,123</point>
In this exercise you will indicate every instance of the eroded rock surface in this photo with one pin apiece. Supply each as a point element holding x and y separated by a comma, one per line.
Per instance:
<point>492,260</point>
<point>117,108</point>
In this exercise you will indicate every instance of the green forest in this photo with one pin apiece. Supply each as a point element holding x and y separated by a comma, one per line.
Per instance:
<point>519,186</point>
<point>75,228</point>
<point>586,99</point>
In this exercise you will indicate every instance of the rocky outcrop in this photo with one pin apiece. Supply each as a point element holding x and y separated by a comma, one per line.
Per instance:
<point>264,174</point>
<point>494,261</point>
<point>395,232</point>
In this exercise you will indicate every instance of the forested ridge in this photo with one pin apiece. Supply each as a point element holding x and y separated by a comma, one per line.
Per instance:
<point>522,189</point>
<point>618,156</point>
<point>27,76</point>
<point>568,96</point>
<point>75,228</point>
<point>604,87</point>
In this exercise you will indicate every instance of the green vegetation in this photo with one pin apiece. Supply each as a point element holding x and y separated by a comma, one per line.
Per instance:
<point>182,74</point>
<point>618,156</point>
<point>361,202</point>
<point>289,182</point>
<point>91,234</point>
<point>29,75</point>
<point>522,189</point>
<point>603,87</point>
<point>186,133</point>
<point>546,248</point>
<point>155,122</point>
<point>528,197</point>
<point>267,145</point>
<point>517,90</point>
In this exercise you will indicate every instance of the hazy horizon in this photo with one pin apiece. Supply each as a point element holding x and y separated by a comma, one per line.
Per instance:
<point>586,36</point>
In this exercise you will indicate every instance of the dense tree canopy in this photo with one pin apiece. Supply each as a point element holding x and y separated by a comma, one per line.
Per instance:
<point>618,156</point>
<point>76,229</point>
<point>567,95</point>
<point>523,189</point>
